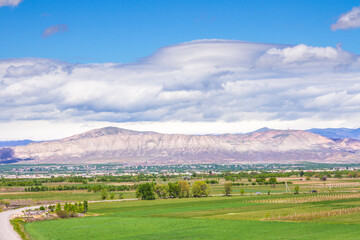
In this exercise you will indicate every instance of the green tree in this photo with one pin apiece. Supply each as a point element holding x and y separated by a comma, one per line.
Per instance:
<point>161,190</point>
<point>297,189</point>
<point>350,175</point>
<point>58,207</point>
<point>227,188</point>
<point>80,208</point>
<point>230,178</point>
<point>145,191</point>
<point>86,206</point>
<point>112,195</point>
<point>104,194</point>
<point>184,189</point>
<point>200,189</point>
<point>174,190</point>
<point>273,181</point>
<point>242,191</point>
<point>338,175</point>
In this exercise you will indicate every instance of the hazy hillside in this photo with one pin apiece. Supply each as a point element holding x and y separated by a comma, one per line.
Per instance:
<point>337,133</point>
<point>15,143</point>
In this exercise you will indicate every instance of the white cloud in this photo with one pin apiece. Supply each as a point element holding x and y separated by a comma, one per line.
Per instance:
<point>304,56</point>
<point>10,3</point>
<point>211,83</point>
<point>29,70</point>
<point>348,20</point>
<point>54,29</point>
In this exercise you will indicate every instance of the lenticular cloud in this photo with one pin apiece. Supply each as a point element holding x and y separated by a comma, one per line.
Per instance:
<point>204,80</point>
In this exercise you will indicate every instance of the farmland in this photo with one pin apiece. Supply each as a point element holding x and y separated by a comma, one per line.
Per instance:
<point>327,204</point>
<point>235,217</point>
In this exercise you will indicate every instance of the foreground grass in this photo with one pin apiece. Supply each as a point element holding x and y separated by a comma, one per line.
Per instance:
<point>239,217</point>
<point>178,228</point>
<point>18,225</point>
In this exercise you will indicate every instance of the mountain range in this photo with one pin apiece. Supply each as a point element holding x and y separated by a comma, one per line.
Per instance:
<point>337,133</point>
<point>15,143</point>
<point>116,145</point>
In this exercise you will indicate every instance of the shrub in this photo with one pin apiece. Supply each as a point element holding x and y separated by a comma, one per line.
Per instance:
<point>62,214</point>
<point>72,214</point>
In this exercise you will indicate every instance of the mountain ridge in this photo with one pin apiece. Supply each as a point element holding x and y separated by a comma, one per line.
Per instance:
<point>118,145</point>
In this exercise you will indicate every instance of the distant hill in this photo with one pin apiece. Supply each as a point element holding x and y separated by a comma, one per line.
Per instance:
<point>116,145</point>
<point>337,133</point>
<point>264,129</point>
<point>15,143</point>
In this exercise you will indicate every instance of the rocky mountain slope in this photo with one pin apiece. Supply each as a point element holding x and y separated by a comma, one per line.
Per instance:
<point>124,146</point>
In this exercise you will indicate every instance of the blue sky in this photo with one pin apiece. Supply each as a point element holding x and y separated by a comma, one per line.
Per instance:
<point>126,30</point>
<point>177,66</point>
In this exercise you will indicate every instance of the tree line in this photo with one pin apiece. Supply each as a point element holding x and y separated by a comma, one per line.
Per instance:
<point>180,189</point>
<point>89,188</point>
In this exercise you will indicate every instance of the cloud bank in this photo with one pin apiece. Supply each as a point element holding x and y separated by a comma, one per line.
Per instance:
<point>348,20</point>
<point>10,3</point>
<point>54,29</point>
<point>230,83</point>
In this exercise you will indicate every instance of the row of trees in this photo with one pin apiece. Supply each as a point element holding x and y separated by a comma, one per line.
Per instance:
<point>178,189</point>
<point>90,188</point>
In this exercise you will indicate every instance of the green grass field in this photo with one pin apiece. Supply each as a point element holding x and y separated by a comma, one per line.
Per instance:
<point>236,217</point>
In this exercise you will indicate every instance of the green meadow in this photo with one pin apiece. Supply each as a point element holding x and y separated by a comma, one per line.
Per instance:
<point>235,217</point>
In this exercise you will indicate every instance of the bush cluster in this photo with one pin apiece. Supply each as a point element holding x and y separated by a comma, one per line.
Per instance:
<point>69,210</point>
